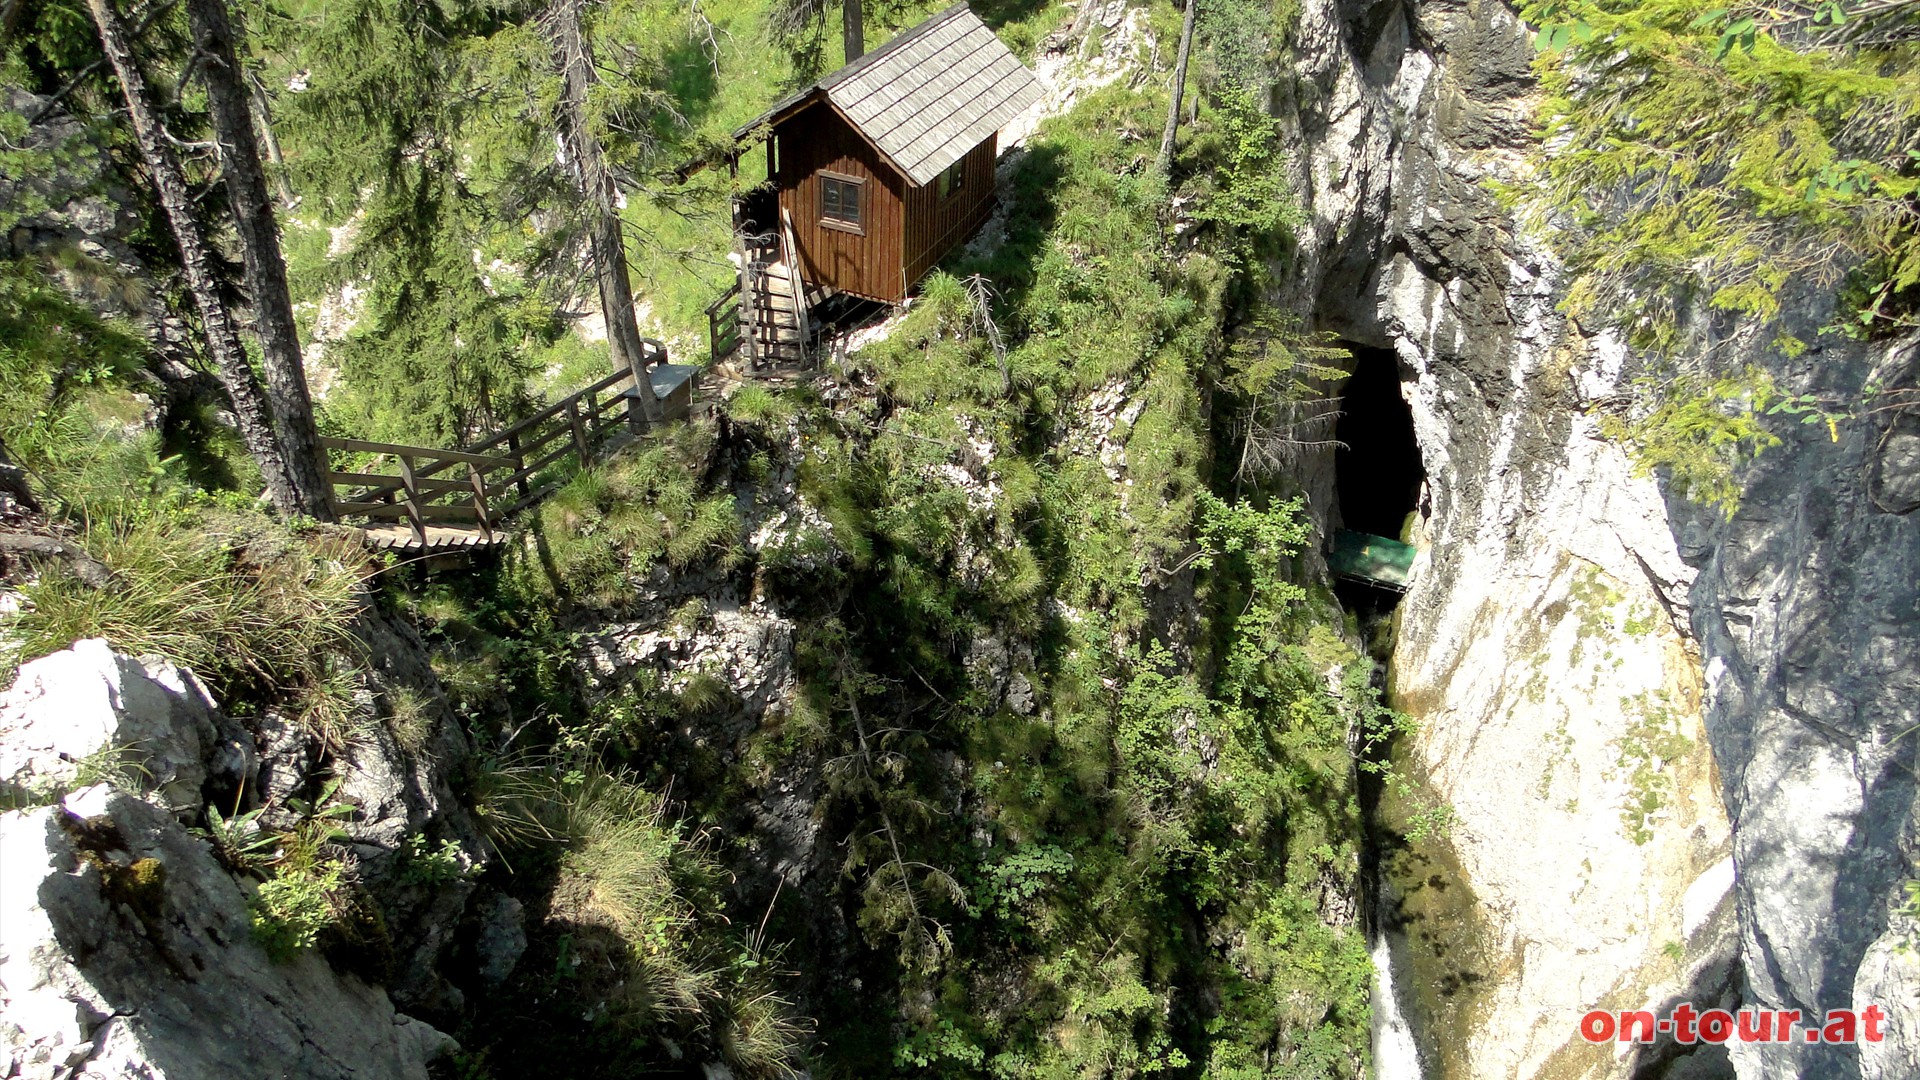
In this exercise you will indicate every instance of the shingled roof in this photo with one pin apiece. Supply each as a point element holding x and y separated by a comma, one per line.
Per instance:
<point>930,95</point>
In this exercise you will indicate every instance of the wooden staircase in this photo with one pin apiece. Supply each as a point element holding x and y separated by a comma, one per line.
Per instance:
<point>765,320</point>
<point>772,321</point>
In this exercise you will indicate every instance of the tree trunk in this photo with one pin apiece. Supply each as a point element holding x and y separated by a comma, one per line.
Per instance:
<point>562,29</point>
<point>286,376</point>
<point>250,411</point>
<point>1165,162</point>
<point>853,29</point>
<point>263,119</point>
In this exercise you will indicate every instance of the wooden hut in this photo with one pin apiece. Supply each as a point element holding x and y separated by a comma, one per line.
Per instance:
<point>875,172</point>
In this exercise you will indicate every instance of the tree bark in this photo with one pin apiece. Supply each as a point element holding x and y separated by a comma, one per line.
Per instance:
<point>561,26</point>
<point>853,29</point>
<point>288,403</point>
<point>1165,162</point>
<point>250,412</point>
<point>263,119</point>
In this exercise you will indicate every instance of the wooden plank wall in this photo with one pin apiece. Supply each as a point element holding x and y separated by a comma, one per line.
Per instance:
<point>934,225</point>
<point>866,264</point>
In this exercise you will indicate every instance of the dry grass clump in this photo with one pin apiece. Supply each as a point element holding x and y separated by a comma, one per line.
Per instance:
<point>263,614</point>
<point>622,893</point>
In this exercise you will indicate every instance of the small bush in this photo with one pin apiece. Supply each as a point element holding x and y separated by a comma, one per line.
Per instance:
<point>428,865</point>
<point>290,911</point>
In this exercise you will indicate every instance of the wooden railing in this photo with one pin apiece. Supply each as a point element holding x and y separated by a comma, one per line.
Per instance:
<point>723,324</point>
<point>483,484</point>
<point>410,494</point>
<point>797,291</point>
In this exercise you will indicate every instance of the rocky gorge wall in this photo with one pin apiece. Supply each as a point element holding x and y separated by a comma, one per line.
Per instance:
<point>1671,742</point>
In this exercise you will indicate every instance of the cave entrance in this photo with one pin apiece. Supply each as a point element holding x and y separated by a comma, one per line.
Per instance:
<point>1377,480</point>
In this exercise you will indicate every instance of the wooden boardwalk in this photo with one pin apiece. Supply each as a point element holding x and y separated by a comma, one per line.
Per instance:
<point>437,539</point>
<point>426,500</point>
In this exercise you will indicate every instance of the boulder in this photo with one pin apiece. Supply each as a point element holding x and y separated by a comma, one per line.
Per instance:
<point>88,713</point>
<point>126,951</point>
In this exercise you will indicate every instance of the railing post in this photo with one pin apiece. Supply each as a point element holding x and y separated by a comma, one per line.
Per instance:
<point>479,481</point>
<point>325,448</point>
<point>519,466</point>
<point>412,487</point>
<point>579,433</point>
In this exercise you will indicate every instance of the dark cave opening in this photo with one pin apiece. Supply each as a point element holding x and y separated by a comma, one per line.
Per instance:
<point>1377,478</point>
<point>1377,465</point>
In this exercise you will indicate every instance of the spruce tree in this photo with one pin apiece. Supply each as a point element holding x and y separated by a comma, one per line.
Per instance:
<point>252,415</point>
<point>560,25</point>
<point>288,402</point>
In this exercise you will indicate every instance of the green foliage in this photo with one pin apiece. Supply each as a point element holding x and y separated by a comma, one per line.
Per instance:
<point>1910,910</point>
<point>240,841</point>
<point>258,611</point>
<point>1250,203</point>
<point>1276,384</point>
<point>62,399</point>
<point>945,1047</point>
<point>1711,164</point>
<point>1023,875</point>
<point>611,522</point>
<point>635,937</point>
<point>120,766</point>
<point>1163,816</point>
<point>1699,432</point>
<point>1720,156</point>
<point>428,865</point>
<point>291,910</point>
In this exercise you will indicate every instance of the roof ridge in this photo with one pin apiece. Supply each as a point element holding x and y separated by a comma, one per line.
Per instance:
<point>911,34</point>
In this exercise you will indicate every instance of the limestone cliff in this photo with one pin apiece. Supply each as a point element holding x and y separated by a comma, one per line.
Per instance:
<point>128,948</point>
<point>1671,742</point>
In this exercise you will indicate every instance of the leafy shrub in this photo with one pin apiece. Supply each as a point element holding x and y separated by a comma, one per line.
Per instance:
<point>428,865</point>
<point>292,909</point>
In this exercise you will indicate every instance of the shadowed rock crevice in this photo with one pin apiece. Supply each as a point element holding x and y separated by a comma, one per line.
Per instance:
<point>1377,465</point>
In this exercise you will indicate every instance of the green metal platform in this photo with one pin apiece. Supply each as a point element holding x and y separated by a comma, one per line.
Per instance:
<point>1373,560</point>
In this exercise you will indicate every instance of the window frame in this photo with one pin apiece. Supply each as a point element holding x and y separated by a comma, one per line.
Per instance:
<point>952,180</point>
<point>858,222</point>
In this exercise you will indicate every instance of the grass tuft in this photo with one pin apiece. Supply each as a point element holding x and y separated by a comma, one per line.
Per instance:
<point>263,615</point>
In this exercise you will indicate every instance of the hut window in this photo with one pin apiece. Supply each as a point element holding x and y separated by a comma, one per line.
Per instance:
<point>953,178</point>
<point>840,201</point>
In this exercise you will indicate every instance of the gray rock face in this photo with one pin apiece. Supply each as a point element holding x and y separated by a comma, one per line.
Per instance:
<point>501,939</point>
<point>87,708</point>
<point>127,953</point>
<point>87,714</point>
<point>1807,607</point>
